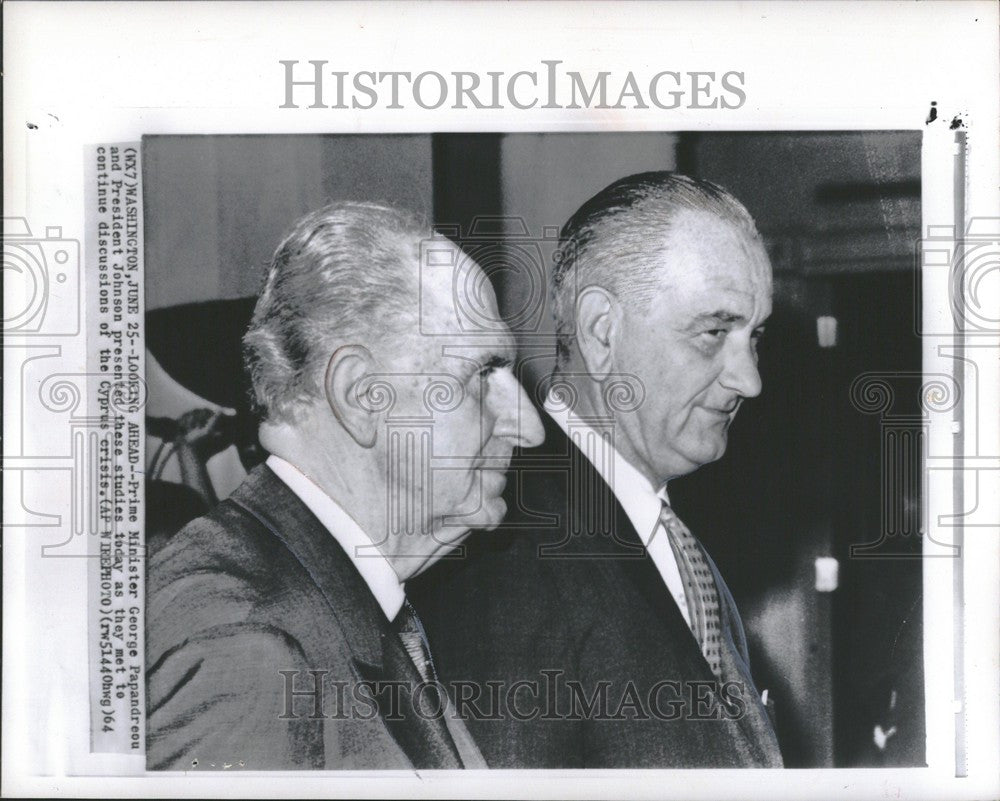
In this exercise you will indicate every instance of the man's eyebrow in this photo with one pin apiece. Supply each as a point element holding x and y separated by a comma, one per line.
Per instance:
<point>484,361</point>
<point>496,360</point>
<point>720,316</point>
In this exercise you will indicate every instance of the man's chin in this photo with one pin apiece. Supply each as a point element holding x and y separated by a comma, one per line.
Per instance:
<point>489,516</point>
<point>700,456</point>
<point>714,439</point>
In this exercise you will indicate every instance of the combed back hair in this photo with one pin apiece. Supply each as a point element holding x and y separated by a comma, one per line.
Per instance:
<point>620,240</point>
<point>344,274</point>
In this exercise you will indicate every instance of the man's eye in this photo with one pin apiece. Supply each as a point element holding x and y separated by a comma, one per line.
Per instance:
<point>492,366</point>
<point>715,333</point>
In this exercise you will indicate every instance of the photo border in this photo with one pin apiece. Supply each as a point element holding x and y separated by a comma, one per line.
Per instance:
<point>54,111</point>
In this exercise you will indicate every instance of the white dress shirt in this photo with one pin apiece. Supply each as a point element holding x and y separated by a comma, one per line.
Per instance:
<point>640,500</point>
<point>369,561</point>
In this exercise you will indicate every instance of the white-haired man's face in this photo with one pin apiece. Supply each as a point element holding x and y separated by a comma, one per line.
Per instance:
<point>457,415</point>
<point>695,348</point>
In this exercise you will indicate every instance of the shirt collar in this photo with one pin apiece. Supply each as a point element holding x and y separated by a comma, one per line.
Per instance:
<point>367,559</point>
<point>637,496</point>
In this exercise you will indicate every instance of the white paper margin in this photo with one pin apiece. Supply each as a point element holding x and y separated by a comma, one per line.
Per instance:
<point>79,74</point>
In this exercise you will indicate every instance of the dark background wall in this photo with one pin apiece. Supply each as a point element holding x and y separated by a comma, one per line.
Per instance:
<point>216,206</point>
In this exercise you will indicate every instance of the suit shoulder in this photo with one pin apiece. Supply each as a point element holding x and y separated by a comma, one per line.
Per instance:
<point>505,589</point>
<point>222,569</point>
<point>226,541</point>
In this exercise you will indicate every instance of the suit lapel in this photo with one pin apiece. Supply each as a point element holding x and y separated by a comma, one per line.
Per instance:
<point>755,722</point>
<point>376,651</point>
<point>602,532</point>
<point>628,558</point>
<point>645,577</point>
<point>425,739</point>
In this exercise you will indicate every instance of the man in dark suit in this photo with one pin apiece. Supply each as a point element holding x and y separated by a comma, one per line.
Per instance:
<point>279,633</point>
<point>595,630</point>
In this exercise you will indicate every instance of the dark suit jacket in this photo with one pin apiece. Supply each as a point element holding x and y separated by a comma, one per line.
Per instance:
<point>256,587</point>
<point>564,593</point>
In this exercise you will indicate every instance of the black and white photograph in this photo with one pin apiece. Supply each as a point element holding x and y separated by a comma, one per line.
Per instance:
<point>604,306</point>
<point>491,399</point>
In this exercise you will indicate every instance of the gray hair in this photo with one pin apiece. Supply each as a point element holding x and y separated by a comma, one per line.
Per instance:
<point>615,238</point>
<point>344,274</point>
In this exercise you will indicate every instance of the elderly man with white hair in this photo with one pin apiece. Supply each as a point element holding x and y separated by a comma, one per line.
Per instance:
<point>279,631</point>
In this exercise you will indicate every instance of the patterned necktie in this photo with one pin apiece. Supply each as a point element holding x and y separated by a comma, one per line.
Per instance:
<point>411,631</point>
<point>699,587</point>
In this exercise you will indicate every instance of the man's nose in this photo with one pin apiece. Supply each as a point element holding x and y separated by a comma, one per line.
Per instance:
<point>516,416</point>
<point>740,373</point>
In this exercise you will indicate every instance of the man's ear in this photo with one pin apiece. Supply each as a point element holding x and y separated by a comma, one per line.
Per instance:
<point>597,321</point>
<point>346,389</point>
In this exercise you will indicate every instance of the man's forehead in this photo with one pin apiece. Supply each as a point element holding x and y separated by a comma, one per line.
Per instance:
<point>461,356</point>
<point>701,250</point>
<point>456,295</point>
<point>720,296</point>
<point>478,349</point>
<point>693,231</point>
<point>460,324</point>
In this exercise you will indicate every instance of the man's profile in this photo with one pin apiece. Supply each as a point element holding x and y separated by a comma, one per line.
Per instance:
<point>595,599</point>
<point>279,632</point>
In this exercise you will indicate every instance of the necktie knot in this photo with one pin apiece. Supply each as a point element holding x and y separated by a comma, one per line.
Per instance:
<point>411,633</point>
